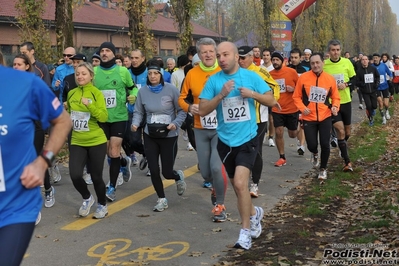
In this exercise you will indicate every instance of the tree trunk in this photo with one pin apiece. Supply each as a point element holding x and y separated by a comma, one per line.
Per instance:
<point>64,25</point>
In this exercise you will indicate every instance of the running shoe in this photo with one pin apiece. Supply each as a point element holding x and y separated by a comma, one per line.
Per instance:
<point>271,142</point>
<point>87,179</point>
<point>110,193</point>
<point>384,120</point>
<point>348,168</point>
<point>314,159</point>
<point>280,162</point>
<point>126,172</point>
<point>119,181</point>
<point>180,184</point>
<point>162,204</point>
<point>301,150</point>
<point>101,211</point>
<point>253,190</point>
<point>55,174</point>
<point>387,115</point>
<point>256,222</point>
<point>322,174</point>
<point>333,142</point>
<point>189,147</point>
<point>219,213</point>
<point>361,106</point>
<point>185,136</point>
<point>244,240</point>
<point>134,159</point>
<point>38,218</point>
<point>207,185</point>
<point>49,198</point>
<point>148,173</point>
<point>84,210</point>
<point>143,163</point>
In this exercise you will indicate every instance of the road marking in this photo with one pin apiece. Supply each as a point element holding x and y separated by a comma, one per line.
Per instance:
<point>119,205</point>
<point>111,252</point>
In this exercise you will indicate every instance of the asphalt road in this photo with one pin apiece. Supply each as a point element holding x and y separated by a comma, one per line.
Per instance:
<point>132,234</point>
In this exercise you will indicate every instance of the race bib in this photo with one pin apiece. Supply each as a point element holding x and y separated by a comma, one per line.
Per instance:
<point>396,73</point>
<point>110,98</point>
<point>317,94</point>
<point>2,179</point>
<point>382,79</point>
<point>281,83</point>
<point>339,78</point>
<point>209,121</point>
<point>368,78</point>
<point>235,109</point>
<point>161,119</point>
<point>80,120</point>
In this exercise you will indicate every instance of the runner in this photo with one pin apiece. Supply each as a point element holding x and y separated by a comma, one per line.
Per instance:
<point>86,106</point>
<point>21,174</point>
<point>205,133</point>
<point>232,92</point>
<point>312,93</point>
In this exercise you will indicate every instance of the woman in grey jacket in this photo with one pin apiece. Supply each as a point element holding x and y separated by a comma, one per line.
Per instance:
<point>157,103</point>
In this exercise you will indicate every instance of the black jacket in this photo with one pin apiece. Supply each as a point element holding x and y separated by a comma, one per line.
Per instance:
<point>369,87</point>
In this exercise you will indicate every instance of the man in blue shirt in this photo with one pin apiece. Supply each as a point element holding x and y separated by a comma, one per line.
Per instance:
<point>383,88</point>
<point>22,174</point>
<point>62,71</point>
<point>232,92</point>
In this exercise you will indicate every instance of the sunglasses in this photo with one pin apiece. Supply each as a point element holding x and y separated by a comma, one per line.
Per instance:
<point>67,55</point>
<point>242,57</point>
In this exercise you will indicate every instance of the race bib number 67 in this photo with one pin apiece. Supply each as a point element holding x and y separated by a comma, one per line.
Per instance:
<point>2,179</point>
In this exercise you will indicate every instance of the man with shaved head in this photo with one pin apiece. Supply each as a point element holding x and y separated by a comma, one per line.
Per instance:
<point>62,71</point>
<point>233,92</point>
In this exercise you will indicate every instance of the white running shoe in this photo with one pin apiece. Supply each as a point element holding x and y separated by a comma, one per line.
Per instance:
<point>101,211</point>
<point>87,178</point>
<point>162,204</point>
<point>119,181</point>
<point>189,147</point>
<point>244,240</point>
<point>256,222</point>
<point>55,174</point>
<point>271,143</point>
<point>253,190</point>
<point>387,115</point>
<point>384,120</point>
<point>84,210</point>
<point>49,198</point>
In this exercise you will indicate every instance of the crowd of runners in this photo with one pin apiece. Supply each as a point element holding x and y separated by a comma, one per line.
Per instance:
<point>226,101</point>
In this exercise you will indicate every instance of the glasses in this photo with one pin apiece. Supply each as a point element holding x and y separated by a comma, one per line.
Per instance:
<point>67,55</point>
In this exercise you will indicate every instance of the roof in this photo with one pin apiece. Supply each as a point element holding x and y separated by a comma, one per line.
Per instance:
<point>91,14</point>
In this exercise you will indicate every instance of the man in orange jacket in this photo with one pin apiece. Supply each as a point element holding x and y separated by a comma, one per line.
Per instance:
<point>312,96</point>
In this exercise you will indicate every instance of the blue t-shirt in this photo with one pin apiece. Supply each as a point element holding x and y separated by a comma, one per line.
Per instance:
<point>383,70</point>
<point>25,98</point>
<point>236,126</point>
<point>60,73</point>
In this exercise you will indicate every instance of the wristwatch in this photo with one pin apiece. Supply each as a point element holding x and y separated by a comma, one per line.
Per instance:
<point>48,156</point>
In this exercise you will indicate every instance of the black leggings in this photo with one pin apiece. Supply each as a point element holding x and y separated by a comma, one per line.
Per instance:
<point>14,241</point>
<point>38,141</point>
<point>95,155</point>
<point>167,149</point>
<point>258,166</point>
<point>188,127</point>
<point>370,99</point>
<point>323,129</point>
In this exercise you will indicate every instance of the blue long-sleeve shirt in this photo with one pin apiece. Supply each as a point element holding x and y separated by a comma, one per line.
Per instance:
<point>60,73</point>
<point>383,70</point>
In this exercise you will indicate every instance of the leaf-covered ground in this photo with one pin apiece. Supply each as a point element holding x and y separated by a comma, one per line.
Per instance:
<point>368,216</point>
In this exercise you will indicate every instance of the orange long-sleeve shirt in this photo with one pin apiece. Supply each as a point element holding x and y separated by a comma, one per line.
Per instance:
<point>314,92</point>
<point>195,81</point>
<point>285,76</point>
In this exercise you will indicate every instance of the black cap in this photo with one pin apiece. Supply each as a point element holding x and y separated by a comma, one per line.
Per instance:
<point>377,54</point>
<point>244,50</point>
<point>96,55</point>
<point>278,55</point>
<point>79,57</point>
<point>108,45</point>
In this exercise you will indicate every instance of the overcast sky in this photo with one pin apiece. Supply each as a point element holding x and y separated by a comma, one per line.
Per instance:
<point>395,7</point>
